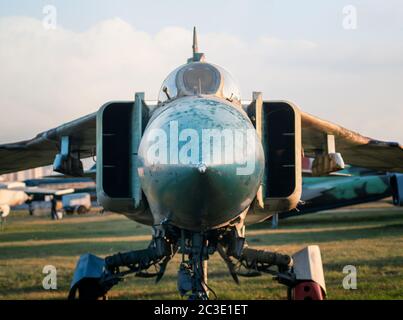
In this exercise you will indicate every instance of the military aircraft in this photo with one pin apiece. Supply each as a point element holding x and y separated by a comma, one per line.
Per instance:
<point>198,167</point>
<point>17,193</point>
<point>347,187</point>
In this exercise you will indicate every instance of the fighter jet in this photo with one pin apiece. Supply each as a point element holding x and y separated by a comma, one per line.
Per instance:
<point>347,187</point>
<point>198,167</point>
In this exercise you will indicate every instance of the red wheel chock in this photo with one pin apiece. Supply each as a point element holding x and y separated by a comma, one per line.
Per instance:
<point>307,290</point>
<point>308,271</point>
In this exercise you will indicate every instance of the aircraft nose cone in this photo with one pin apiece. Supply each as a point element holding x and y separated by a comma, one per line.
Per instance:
<point>189,186</point>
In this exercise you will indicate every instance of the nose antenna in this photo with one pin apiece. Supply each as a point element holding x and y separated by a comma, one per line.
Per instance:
<point>197,56</point>
<point>195,46</point>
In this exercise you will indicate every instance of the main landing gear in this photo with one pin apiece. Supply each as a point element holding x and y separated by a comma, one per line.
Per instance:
<point>302,273</point>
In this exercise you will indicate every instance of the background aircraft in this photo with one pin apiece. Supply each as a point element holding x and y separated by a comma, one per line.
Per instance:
<point>200,205</point>
<point>350,186</point>
<point>17,193</point>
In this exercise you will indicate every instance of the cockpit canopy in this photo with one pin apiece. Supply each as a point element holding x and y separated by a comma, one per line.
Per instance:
<point>199,78</point>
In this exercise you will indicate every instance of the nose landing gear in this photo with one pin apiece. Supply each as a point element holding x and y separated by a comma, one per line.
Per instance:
<point>192,275</point>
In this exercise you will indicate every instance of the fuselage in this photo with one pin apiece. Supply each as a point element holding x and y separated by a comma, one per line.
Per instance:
<point>324,193</point>
<point>200,159</point>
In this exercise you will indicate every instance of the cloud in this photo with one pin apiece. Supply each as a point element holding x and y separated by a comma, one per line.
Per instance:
<point>52,76</point>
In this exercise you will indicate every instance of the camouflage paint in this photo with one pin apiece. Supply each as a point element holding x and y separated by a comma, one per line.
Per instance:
<point>323,193</point>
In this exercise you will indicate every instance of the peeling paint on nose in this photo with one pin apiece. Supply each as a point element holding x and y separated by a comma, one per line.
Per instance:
<point>188,191</point>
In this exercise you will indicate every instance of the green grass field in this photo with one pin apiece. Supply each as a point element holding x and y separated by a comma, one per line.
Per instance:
<point>370,239</point>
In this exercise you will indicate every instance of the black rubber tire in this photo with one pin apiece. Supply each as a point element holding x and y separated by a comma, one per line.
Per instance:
<point>82,210</point>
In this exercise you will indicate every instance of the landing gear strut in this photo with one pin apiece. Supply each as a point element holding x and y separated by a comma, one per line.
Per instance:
<point>192,274</point>
<point>302,273</point>
<point>94,276</point>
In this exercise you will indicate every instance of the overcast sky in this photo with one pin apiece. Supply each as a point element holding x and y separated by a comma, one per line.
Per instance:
<point>293,50</point>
